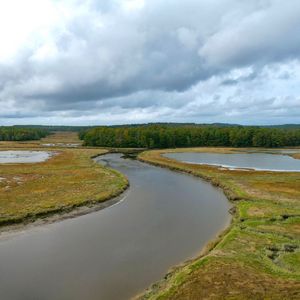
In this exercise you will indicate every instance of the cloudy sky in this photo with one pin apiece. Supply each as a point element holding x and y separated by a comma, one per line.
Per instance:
<point>133,61</point>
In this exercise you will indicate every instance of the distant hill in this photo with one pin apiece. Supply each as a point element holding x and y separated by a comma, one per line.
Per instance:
<point>284,126</point>
<point>56,128</point>
<point>174,124</point>
<point>168,124</point>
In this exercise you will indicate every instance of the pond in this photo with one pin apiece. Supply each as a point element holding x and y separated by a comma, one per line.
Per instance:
<point>163,219</point>
<point>256,161</point>
<point>8,157</point>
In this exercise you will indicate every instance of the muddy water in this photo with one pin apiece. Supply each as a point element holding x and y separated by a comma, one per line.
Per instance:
<point>163,219</point>
<point>256,161</point>
<point>8,157</point>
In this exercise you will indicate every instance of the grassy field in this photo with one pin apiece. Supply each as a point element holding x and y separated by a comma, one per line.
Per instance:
<point>258,257</point>
<point>69,179</point>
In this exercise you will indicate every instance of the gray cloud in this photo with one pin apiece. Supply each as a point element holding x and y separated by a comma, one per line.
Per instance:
<point>120,61</point>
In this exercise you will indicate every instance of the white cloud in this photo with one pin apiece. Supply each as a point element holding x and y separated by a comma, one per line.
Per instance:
<point>132,5</point>
<point>20,21</point>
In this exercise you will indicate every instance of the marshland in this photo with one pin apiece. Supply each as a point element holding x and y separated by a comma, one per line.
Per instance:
<point>118,225</point>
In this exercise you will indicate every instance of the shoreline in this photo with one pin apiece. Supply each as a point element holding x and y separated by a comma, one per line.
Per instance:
<point>162,284</point>
<point>177,269</point>
<point>229,195</point>
<point>8,227</point>
<point>178,276</point>
<point>207,248</point>
<point>17,226</point>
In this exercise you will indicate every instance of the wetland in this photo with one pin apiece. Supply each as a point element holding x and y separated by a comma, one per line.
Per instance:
<point>163,219</point>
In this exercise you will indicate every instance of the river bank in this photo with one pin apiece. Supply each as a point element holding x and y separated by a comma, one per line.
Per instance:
<point>258,257</point>
<point>9,230</point>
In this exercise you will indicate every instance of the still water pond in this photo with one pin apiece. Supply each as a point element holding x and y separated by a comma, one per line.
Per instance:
<point>257,161</point>
<point>8,157</point>
<point>163,219</point>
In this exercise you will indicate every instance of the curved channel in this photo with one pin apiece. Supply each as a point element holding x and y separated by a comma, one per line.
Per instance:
<point>164,219</point>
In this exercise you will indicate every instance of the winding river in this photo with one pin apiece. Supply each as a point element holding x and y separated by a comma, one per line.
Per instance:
<point>163,219</point>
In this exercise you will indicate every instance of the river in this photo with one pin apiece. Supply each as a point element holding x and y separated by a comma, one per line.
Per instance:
<point>163,219</point>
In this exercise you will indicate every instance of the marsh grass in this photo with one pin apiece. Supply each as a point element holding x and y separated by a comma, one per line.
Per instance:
<point>67,180</point>
<point>258,257</point>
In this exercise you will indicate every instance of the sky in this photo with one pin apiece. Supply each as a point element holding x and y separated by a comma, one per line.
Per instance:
<point>101,62</point>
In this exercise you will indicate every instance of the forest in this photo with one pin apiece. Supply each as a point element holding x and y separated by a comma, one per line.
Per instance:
<point>21,134</point>
<point>164,136</point>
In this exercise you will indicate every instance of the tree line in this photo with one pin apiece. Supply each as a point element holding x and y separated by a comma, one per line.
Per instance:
<point>164,136</point>
<point>21,134</point>
<point>54,128</point>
